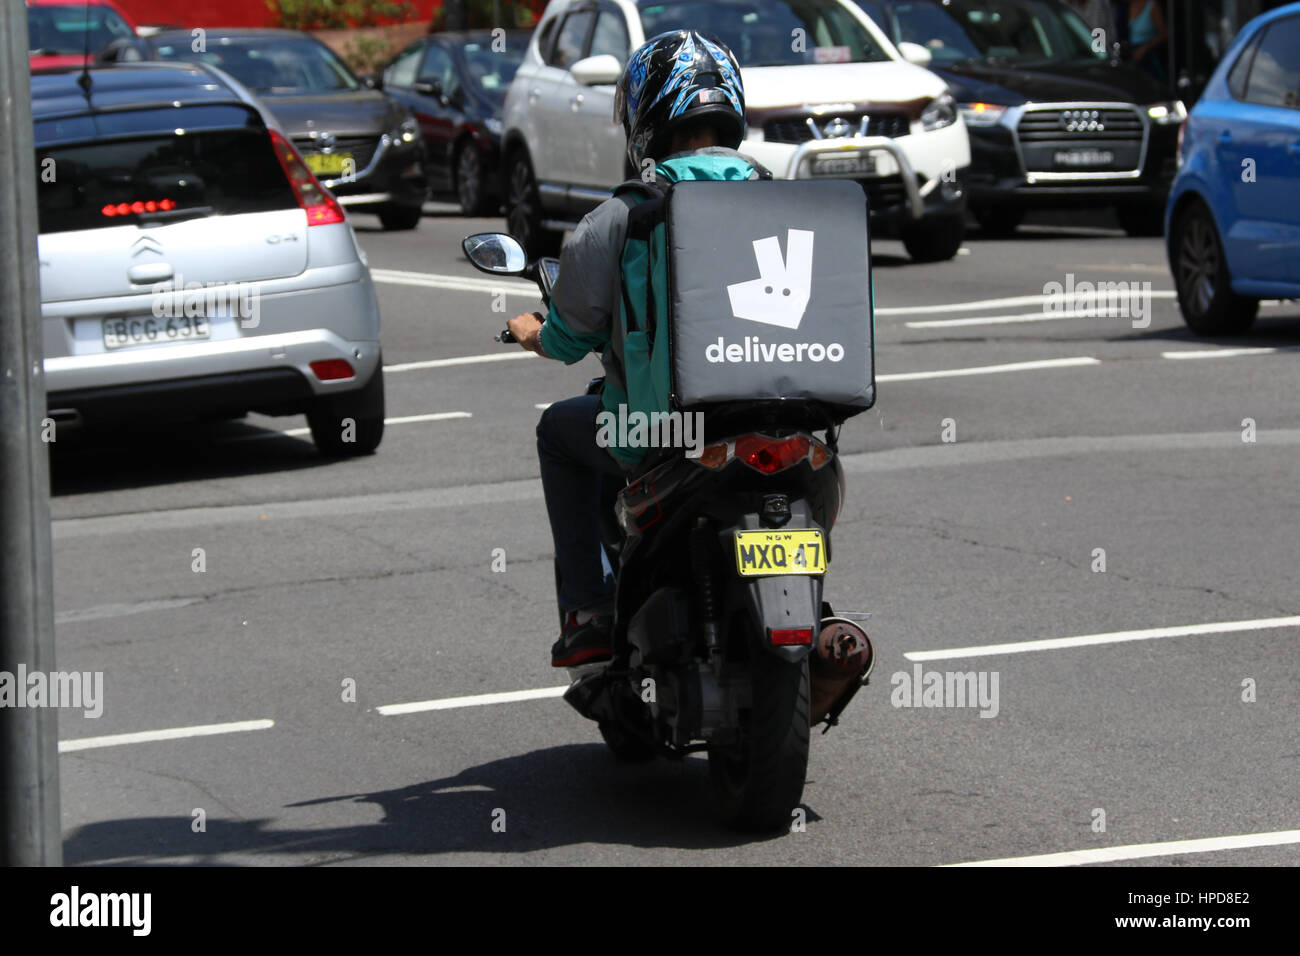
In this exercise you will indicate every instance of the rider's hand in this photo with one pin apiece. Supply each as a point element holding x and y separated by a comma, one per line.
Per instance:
<point>527,330</point>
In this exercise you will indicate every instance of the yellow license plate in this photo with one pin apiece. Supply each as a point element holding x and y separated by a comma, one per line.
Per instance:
<point>780,552</point>
<point>330,164</point>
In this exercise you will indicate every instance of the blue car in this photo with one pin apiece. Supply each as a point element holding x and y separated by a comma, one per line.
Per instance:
<point>1233,216</point>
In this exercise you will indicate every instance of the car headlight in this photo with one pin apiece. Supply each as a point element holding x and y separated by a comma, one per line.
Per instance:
<point>494,126</point>
<point>981,114</point>
<point>940,113</point>
<point>408,132</point>
<point>1167,114</point>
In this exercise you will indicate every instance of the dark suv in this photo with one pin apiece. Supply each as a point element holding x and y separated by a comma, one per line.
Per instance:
<point>1053,120</point>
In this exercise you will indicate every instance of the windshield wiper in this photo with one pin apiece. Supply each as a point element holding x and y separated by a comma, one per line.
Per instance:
<point>174,215</point>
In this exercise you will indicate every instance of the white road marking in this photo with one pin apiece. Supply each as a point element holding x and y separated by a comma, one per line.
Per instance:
<point>102,611</point>
<point>1011,319</point>
<point>1222,353</point>
<point>461,360</point>
<point>1114,637</point>
<point>1140,851</point>
<point>402,420</point>
<point>172,733</point>
<point>990,369</point>
<point>543,406</point>
<point>513,286</point>
<point>430,280</point>
<point>979,305</point>
<point>475,700</point>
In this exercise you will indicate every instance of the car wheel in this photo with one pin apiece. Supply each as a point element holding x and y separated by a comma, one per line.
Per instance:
<point>469,181</point>
<point>998,222</point>
<point>395,218</point>
<point>1142,220</point>
<point>349,424</point>
<point>934,238</point>
<point>524,210</point>
<point>1200,268</point>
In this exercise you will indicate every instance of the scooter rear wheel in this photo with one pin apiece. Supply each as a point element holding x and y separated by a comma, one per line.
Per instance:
<point>758,783</point>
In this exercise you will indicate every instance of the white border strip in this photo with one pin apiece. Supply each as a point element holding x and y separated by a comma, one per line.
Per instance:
<point>1011,319</point>
<point>476,700</point>
<point>172,733</point>
<point>1114,637</point>
<point>1140,851</point>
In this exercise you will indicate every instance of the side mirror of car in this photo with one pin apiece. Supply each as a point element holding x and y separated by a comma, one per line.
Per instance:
<point>428,86</point>
<point>915,53</point>
<point>597,70</point>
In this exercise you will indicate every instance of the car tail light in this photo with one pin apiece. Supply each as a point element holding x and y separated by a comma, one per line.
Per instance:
<point>785,637</point>
<point>329,370</point>
<point>322,208</point>
<point>765,454</point>
<point>138,206</point>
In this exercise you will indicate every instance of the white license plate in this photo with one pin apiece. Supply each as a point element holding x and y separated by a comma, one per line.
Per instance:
<point>854,164</point>
<point>149,330</point>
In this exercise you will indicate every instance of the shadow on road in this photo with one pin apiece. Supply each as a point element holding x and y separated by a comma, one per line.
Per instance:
<point>113,459</point>
<point>556,797</point>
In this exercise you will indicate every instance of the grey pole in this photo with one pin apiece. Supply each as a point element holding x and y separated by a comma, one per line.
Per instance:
<point>30,833</point>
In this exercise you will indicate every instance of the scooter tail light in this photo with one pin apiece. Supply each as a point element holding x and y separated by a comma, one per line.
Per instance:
<point>791,636</point>
<point>770,455</point>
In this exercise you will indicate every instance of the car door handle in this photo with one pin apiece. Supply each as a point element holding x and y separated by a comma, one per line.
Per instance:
<point>149,272</point>
<point>1225,138</point>
<point>576,102</point>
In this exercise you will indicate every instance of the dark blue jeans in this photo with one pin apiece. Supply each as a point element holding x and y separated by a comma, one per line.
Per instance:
<point>573,475</point>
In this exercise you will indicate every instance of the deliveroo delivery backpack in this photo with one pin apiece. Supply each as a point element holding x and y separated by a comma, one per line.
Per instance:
<point>745,290</point>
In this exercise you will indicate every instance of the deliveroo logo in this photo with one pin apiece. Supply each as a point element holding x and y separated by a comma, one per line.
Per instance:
<point>779,296</point>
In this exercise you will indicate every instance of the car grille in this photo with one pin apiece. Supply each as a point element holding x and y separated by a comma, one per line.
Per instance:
<point>1050,137</point>
<point>795,129</point>
<point>362,148</point>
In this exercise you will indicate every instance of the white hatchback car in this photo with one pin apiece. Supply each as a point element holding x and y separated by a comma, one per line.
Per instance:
<point>190,263</point>
<point>827,95</point>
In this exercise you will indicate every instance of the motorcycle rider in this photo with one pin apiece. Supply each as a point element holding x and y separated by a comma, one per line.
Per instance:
<point>680,94</point>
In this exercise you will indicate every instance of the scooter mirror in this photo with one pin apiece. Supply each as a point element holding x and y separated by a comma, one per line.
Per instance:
<point>495,252</point>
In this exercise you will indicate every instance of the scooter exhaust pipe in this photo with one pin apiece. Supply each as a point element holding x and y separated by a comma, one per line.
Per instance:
<point>840,663</point>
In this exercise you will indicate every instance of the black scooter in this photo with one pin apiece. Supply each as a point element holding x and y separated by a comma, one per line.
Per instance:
<point>722,639</point>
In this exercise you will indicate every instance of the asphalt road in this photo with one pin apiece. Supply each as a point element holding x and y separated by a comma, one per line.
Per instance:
<point>1071,435</point>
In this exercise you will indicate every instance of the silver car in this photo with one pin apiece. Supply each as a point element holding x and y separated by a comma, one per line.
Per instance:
<point>190,263</point>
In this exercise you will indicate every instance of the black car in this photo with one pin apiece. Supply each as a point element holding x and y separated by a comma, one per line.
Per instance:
<point>1053,120</point>
<point>363,145</point>
<point>455,84</point>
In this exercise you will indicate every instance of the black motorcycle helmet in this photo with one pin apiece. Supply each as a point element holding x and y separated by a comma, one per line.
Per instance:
<point>674,79</point>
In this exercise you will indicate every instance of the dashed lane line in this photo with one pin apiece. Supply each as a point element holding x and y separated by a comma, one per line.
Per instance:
<point>1114,637</point>
<point>171,733</point>
<point>1143,851</point>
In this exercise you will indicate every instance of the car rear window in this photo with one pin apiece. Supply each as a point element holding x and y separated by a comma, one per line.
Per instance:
<point>156,177</point>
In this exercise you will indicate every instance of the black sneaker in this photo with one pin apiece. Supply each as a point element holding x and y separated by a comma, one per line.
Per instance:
<point>584,643</point>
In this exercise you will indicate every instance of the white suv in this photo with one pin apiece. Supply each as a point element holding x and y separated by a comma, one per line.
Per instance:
<point>826,93</point>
